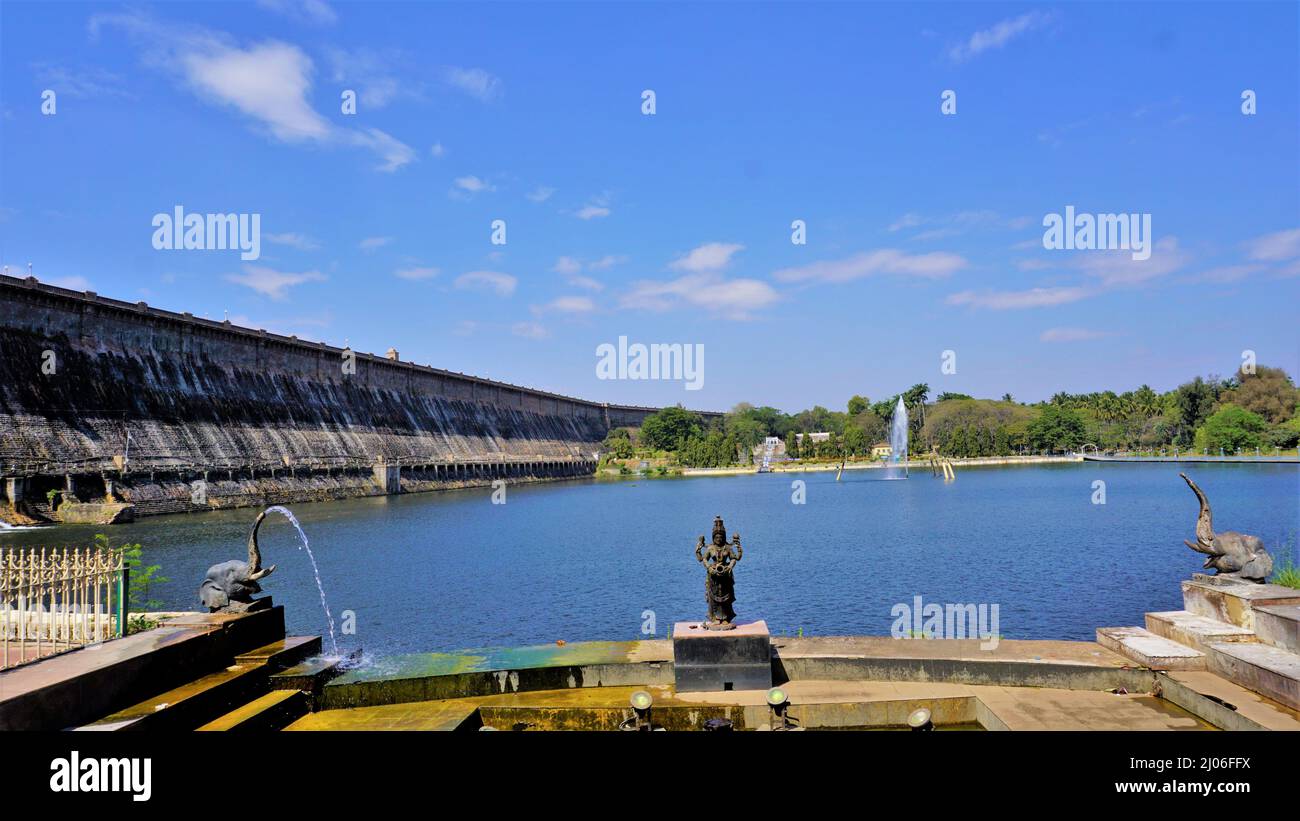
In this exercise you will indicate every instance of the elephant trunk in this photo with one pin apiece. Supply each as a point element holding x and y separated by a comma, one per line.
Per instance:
<point>255,570</point>
<point>1204,520</point>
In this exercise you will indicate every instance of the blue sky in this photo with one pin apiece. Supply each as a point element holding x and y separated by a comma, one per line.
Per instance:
<point>924,230</point>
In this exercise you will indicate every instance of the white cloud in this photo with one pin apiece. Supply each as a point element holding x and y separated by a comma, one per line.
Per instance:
<point>369,74</point>
<point>569,305</point>
<point>1072,335</point>
<point>1275,247</point>
<point>906,221</point>
<point>416,273</point>
<point>310,11</point>
<point>96,83</point>
<point>467,186</point>
<point>883,261</point>
<point>300,241</point>
<point>1015,300</point>
<point>586,282</point>
<point>733,298</point>
<point>437,150</point>
<point>371,243</point>
<point>567,265</point>
<point>1117,268</point>
<point>501,284</point>
<point>475,82</point>
<point>540,194</point>
<point>271,282</point>
<point>268,82</point>
<point>606,262</point>
<point>587,212</point>
<point>529,330</point>
<point>712,256</point>
<point>999,35</point>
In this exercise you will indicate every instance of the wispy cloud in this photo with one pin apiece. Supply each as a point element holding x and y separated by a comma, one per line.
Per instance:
<point>468,186</point>
<point>1016,300</point>
<point>529,330</point>
<point>933,265</point>
<point>270,282</point>
<point>475,82</point>
<point>999,34</point>
<point>1276,247</point>
<point>317,12</point>
<point>416,273</point>
<point>82,83</point>
<point>372,243</point>
<point>494,281</point>
<point>567,305</point>
<point>268,82</point>
<point>541,193</point>
<point>712,256</point>
<point>1072,335</point>
<point>732,298</point>
<point>294,240</point>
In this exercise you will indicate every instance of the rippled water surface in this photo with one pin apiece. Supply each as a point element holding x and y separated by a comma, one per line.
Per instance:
<point>584,560</point>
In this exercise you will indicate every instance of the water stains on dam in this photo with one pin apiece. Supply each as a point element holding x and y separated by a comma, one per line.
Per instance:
<point>170,413</point>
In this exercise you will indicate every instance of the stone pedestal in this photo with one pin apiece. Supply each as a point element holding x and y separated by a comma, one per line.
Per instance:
<point>713,660</point>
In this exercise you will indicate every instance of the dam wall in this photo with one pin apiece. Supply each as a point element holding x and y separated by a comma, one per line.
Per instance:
<point>109,401</point>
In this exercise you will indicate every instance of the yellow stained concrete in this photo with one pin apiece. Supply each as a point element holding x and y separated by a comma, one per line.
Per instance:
<point>1019,708</point>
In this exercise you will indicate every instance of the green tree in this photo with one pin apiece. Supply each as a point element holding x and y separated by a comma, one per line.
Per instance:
<point>1057,429</point>
<point>618,444</point>
<point>858,404</point>
<point>1233,429</point>
<point>669,428</point>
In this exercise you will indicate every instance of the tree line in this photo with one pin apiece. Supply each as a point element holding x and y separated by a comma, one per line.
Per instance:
<point>1233,415</point>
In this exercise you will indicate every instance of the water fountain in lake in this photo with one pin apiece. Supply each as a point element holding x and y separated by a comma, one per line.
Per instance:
<point>897,467</point>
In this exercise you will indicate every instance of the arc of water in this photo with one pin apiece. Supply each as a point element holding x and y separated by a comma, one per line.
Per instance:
<point>304,544</point>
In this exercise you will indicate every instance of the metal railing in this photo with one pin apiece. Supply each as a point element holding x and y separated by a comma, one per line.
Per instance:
<point>54,600</point>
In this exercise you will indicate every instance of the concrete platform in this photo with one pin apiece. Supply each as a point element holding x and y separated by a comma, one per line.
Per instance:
<point>1149,650</point>
<point>1279,625</point>
<point>1224,599</point>
<point>1194,630</point>
<point>1268,670</point>
<point>1226,705</point>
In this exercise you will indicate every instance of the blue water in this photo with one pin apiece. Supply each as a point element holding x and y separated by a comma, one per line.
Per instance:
<point>583,560</point>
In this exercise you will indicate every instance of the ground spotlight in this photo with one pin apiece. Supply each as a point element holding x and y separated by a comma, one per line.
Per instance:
<point>920,721</point>
<point>779,700</point>
<point>641,702</point>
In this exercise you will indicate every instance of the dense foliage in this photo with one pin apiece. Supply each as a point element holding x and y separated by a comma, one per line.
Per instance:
<point>1248,411</point>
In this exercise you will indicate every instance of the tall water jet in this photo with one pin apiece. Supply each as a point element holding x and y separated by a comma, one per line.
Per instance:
<point>898,443</point>
<point>302,538</point>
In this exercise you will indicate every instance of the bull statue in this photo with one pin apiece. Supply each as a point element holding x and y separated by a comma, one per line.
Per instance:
<point>1230,554</point>
<point>229,586</point>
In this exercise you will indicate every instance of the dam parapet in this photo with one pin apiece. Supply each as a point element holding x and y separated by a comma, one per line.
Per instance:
<point>103,400</point>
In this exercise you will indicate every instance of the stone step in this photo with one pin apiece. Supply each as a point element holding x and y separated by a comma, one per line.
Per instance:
<point>1270,671</point>
<point>313,673</point>
<point>1193,630</point>
<point>1149,650</point>
<point>271,711</point>
<point>1233,601</point>
<point>1279,625</point>
<point>191,704</point>
<point>285,652</point>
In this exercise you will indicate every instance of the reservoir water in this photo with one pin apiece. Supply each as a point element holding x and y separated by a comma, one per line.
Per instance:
<point>586,560</point>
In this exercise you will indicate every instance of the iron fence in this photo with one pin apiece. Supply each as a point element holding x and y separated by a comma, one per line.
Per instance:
<point>54,600</point>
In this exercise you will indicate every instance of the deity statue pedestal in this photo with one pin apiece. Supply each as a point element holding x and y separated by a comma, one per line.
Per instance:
<point>712,660</point>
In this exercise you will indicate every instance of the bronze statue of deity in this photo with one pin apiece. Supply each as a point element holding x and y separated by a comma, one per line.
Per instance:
<point>719,560</point>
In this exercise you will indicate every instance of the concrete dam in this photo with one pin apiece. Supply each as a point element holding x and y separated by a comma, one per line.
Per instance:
<point>109,406</point>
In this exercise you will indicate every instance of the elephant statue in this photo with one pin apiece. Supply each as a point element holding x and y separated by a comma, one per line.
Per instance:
<point>1230,554</point>
<point>229,586</point>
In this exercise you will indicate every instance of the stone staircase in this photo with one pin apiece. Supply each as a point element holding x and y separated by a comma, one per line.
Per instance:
<point>1248,634</point>
<point>245,695</point>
